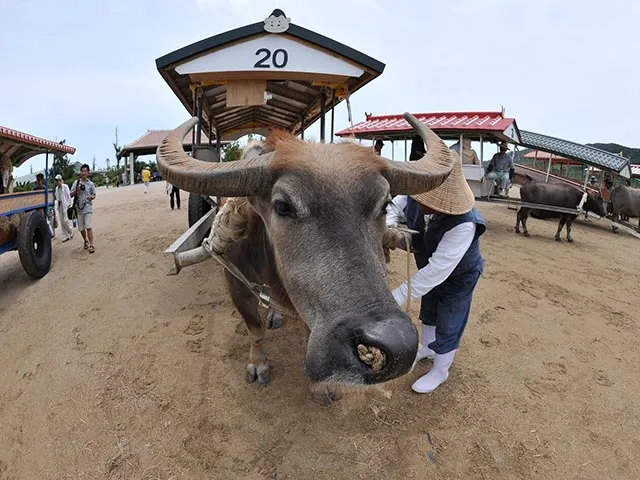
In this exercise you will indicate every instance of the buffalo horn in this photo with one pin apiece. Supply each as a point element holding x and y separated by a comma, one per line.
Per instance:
<point>426,174</point>
<point>226,179</point>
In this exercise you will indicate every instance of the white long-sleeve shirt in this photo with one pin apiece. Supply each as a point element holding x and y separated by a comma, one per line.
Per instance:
<point>63,195</point>
<point>452,247</point>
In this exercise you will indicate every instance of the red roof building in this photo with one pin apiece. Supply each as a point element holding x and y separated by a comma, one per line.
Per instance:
<point>20,146</point>
<point>446,125</point>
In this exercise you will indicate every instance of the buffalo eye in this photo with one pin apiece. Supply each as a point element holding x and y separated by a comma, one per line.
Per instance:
<point>284,209</point>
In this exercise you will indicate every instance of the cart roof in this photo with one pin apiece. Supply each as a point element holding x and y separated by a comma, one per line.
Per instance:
<point>582,153</point>
<point>20,146</point>
<point>148,143</point>
<point>294,63</point>
<point>635,170</point>
<point>448,125</point>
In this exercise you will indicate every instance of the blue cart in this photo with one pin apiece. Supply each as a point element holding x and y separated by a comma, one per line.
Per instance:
<point>27,218</point>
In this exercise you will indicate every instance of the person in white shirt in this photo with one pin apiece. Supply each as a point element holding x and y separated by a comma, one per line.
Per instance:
<point>447,253</point>
<point>63,198</point>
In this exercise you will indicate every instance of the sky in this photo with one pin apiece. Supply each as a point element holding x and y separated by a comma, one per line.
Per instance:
<point>76,69</point>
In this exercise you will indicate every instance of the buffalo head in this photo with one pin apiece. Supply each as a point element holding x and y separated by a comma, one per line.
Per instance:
<point>323,207</point>
<point>594,204</point>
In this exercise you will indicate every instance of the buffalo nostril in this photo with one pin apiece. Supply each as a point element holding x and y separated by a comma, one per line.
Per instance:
<point>372,356</point>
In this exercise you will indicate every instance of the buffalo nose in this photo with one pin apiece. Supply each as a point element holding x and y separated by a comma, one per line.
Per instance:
<point>387,348</point>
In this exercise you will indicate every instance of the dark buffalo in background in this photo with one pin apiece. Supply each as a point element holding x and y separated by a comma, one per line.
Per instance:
<point>558,195</point>
<point>625,201</point>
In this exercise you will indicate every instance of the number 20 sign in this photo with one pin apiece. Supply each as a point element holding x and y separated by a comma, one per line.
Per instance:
<point>268,59</point>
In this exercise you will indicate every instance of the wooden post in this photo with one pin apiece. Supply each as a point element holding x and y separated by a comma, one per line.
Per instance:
<point>132,177</point>
<point>548,166</point>
<point>323,111</point>
<point>199,101</point>
<point>333,109</point>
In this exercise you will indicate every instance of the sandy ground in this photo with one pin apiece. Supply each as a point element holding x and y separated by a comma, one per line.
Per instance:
<point>110,369</point>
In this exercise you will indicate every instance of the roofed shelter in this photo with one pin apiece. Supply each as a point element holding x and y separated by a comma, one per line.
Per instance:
<point>269,74</point>
<point>20,146</point>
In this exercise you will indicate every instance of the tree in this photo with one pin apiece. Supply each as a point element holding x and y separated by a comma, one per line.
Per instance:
<point>117,148</point>
<point>231,152</point>
<point>61,166</point>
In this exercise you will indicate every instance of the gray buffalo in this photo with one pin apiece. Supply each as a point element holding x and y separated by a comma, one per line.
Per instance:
<point>625,202</point>
<point>559,195</point>
<point>315,237</point>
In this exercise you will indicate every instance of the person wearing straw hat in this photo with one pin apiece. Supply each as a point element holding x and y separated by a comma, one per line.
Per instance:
<point>450,264</point>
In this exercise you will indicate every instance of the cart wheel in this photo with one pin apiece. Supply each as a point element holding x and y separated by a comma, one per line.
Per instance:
<point>34,244</point>
<point>198,208</point>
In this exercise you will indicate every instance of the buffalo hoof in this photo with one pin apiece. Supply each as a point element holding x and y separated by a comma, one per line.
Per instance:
<point>260,373</point>
<point>570,240</point>
<point>526,234</point>
<point>558,239</point>
<point>274,320</point>
<point>326,398</point>
<point>517,230</point>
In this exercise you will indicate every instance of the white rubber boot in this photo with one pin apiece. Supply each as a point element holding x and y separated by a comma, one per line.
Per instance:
<point>437,375</point>
<point>427,335</point>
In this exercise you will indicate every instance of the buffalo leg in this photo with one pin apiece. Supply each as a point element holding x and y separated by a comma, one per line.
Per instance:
<point>569,223</point>
<point>615,218</point>
<point>523,214</point>
<point>561,224</point>
<point>518,220</point>
<point>258,369</point>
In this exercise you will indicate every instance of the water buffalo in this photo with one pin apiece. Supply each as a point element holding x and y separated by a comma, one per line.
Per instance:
<point>625,201</point>
<point>314,236</point>
<point>559,195</point>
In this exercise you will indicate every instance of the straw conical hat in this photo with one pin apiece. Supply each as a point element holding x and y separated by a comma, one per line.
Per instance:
<point>453,197</point>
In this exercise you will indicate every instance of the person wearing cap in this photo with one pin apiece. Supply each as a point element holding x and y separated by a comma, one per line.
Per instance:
<point>146,177</point>
<point>501,170</point>
<point>63,197</point>
<point>378,147</point>
<point>449,261</point>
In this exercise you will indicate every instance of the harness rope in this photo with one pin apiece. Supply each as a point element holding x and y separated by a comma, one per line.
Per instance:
<point>408,245</point>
